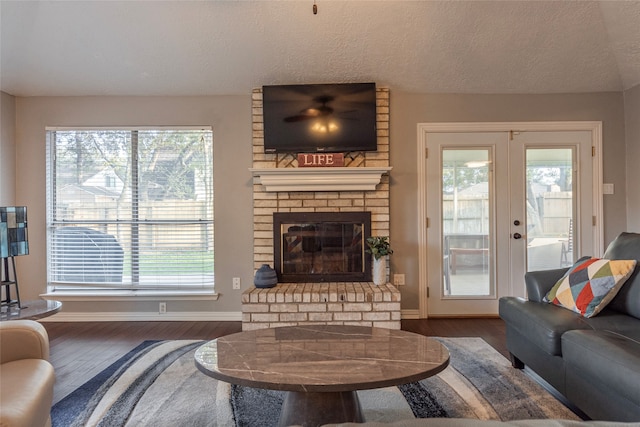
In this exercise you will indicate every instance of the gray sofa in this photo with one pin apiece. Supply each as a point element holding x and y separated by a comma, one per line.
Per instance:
<point>594,362</point>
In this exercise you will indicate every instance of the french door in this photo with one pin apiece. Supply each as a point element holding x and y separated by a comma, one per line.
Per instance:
<point>499,203</point>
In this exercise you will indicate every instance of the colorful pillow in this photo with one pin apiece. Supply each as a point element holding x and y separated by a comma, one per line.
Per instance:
<point>590,285</point>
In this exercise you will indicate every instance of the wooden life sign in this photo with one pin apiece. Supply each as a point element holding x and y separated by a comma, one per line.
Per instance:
<point>320,160</point>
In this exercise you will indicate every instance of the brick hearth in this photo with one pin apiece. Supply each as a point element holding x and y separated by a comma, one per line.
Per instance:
<point>292,304</point>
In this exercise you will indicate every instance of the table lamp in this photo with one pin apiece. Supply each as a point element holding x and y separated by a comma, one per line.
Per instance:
<point>13,242</point>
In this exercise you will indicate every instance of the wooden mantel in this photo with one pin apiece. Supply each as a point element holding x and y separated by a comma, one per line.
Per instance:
<point>320,179</point>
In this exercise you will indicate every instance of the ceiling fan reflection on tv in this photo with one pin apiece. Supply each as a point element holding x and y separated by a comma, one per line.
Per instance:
<point>322,110</point>
<point>339,117</point>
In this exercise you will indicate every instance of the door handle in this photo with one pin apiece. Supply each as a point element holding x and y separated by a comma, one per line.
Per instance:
<point>517,236</point>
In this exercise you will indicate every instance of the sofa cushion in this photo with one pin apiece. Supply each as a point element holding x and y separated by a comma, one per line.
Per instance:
<point>614,321</point>
<point>543,323</point>
<point>626,246</point>
<point>606,359</point>
<point>27,392</point>
<point>588,286</point>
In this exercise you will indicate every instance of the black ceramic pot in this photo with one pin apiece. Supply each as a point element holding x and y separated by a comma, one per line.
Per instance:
<point>266,277</point>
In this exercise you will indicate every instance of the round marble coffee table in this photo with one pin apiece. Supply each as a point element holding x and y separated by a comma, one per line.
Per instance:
<point>321,367</point>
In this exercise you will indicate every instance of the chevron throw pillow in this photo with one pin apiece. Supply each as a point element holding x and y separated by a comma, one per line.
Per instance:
<point>590,285</point>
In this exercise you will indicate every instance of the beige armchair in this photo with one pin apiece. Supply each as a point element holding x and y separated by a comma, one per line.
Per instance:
<point>26,376</point>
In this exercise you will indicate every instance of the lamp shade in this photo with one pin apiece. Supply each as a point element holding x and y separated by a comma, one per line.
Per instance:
<point>13,231</point>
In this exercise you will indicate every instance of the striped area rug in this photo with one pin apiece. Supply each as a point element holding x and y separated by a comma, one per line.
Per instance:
<point>157,384</point>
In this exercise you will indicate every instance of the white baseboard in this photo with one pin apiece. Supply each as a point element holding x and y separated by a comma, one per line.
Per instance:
<point>412,313</point>
<point>186,316</point>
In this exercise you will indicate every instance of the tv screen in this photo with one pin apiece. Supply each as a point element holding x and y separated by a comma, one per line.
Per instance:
<point>329,118</point>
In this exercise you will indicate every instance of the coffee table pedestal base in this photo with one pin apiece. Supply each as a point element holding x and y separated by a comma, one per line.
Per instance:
<point>319,408</point>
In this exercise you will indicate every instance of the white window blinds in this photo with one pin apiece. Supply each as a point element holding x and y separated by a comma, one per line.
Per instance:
<point>130,209</point>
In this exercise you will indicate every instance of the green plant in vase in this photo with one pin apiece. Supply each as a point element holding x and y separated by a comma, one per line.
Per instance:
<point>379,247</point>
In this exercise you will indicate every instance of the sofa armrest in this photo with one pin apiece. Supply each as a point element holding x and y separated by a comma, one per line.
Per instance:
<point>23,339</point>
<point>539,283</point>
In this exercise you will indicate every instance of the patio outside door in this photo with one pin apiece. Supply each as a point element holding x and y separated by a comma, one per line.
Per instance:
<point>500,204</point>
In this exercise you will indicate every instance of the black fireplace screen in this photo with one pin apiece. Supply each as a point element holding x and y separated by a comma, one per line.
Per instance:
<point>322,246</point>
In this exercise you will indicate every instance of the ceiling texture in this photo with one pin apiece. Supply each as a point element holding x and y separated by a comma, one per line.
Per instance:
<point>76,48</point>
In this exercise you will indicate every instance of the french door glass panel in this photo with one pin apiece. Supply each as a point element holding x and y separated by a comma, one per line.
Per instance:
<point>549,207</point>
<point>466,225</point>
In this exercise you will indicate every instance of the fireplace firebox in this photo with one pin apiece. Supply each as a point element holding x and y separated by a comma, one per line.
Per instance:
<point>321,246</point>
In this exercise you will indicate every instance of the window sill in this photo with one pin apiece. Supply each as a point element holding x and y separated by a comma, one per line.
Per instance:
<point>128,295</point>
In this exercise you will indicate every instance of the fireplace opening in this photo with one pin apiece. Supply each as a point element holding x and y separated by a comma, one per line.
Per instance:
<point>321,246</point>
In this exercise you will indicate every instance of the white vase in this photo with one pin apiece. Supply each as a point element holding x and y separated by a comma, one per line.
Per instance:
<point>380,271</point>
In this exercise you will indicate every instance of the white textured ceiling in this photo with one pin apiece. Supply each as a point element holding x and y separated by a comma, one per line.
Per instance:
<point>229,47</point>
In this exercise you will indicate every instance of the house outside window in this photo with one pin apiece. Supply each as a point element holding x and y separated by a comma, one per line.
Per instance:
<point>110,181</point>
<point>130,209</point>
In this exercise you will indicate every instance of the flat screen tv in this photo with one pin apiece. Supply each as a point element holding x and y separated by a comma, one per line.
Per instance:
<point>313,118</point>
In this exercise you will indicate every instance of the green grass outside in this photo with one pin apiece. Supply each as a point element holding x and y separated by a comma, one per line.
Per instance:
<point>172,263</point>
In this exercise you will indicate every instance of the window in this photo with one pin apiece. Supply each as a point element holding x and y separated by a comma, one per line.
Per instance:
<point>130,209</point>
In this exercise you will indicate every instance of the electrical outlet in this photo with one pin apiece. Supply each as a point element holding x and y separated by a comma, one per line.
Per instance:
<point>398,279</point>
<point>162,307</point>
<point>236,283</point>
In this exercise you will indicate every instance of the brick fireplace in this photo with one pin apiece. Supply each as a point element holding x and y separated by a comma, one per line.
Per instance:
<point>267,201</point>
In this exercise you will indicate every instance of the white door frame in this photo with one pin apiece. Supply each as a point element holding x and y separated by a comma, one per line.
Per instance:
<point>423,221</point>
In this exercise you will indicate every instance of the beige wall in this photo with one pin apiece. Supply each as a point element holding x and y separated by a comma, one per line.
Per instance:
<point>407,110</point>
<point>7,149</point>
<point>632,132</point>
<point>230,117</point>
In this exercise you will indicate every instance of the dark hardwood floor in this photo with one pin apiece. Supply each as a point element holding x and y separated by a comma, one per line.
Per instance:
<point>81,350</point>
